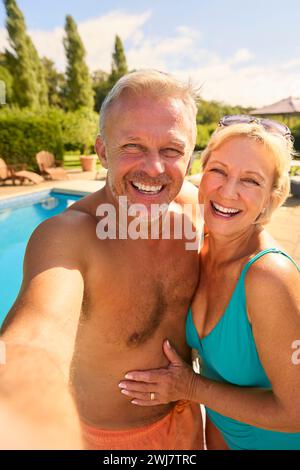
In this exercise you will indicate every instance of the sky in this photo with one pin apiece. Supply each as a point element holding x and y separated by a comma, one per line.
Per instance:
<point>238,52</point>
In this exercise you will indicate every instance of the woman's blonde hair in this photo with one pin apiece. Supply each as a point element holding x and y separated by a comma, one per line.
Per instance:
<point>280,148</point>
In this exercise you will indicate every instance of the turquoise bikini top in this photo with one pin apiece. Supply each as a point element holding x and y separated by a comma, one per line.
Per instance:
<point>228,354</point>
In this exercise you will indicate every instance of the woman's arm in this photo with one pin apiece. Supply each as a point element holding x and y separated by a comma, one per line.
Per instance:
<point>274,307</point>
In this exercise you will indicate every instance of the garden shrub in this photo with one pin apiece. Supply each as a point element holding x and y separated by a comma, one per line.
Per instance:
<point>23,134</point>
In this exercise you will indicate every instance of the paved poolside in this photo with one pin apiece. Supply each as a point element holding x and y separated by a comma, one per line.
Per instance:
<point>284,227</point>
<point>84,182</point>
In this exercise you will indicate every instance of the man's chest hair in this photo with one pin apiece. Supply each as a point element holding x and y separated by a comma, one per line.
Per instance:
<point>133,305</point>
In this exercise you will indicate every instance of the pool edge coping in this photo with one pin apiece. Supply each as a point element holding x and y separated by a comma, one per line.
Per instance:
<point>57,188</point>
<point>24,193</point>
<point>34,196</point>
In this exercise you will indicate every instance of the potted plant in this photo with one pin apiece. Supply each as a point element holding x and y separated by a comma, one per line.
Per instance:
<point>88,162</point>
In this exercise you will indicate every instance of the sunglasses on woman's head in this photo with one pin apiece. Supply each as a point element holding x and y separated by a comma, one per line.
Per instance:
<point>268,124</point>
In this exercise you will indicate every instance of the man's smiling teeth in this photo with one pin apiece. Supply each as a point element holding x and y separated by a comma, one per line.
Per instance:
<point>224,210</point>
<point>147,189</point>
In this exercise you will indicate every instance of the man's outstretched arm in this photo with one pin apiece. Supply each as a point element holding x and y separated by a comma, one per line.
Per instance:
<point>36,407</point>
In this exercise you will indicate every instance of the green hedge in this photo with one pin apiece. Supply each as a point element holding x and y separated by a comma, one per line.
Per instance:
<point>204,131</point>
<point>296,134</point>
<point>23,135</point>
<point>7,80</point>
<point>79,128</point>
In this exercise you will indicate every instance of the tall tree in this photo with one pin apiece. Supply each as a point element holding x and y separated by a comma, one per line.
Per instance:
<point>119,63</point>
<point>30,88</point>
<point>55,82</point>
<point>6,85</point>
<point>2,59</point>
<point>78,91</point>
<point>101,87</point>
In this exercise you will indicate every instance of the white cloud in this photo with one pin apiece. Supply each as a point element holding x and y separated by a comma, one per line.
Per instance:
<point>186,31</point>
<point>98,35</point>
<point>241,55</point>
<point>292,63</point>
<point>249,86</point>
<point>3,39</point>
<point>162,54</point>
<point>236,80</point>
<point>178,50</point>
<point>230,80</point>
<point>50,44</point>
<point>294,88</point>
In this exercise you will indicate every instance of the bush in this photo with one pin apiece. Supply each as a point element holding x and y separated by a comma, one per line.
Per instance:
<point>79,129</point>
<point>296,133</point>
<point>196,167</point>
<point>212,111</point>
<point>23,134</point>
<point>203,135</point>
<point>7,81</point>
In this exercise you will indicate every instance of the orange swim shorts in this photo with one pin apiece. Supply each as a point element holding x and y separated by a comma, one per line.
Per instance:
<point>181,429</point>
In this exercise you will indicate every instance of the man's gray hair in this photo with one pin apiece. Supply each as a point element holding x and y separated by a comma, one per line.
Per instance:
<point>152,82</point>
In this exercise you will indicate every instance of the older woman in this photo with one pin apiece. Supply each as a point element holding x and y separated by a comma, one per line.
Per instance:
<point>245,317</point>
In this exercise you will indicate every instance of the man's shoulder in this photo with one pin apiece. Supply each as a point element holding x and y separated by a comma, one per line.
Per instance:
<point>82,213</point>
<point>87,205</point>
<point>68,221</point>
<point>69,230</point>
<point>188,194</point>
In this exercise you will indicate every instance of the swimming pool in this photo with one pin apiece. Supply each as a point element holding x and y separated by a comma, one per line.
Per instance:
<point>18,218</point>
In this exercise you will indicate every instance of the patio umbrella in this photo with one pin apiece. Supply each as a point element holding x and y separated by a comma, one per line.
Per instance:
<point>288,107</point>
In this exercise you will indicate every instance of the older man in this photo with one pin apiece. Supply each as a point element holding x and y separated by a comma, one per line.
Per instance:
<point>91,309</point>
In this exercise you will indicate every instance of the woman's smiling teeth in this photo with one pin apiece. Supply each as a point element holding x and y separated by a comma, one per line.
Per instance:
<point>224,211</point>
<point>146,189</point>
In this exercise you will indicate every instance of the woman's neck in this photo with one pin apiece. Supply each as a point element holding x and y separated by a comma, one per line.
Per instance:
<point>223,250</point>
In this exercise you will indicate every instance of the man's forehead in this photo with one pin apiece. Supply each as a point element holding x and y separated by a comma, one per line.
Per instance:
<point>129,101</point>
<point>135,126</point>
<point>139,116</point>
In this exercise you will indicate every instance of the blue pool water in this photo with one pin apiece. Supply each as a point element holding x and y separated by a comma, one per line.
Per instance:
<point>18,219</point>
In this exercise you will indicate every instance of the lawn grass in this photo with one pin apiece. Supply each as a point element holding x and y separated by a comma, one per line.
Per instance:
<point>72,161</point>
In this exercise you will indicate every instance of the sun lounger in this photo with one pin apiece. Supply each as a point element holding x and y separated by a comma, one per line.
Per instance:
<point>49,167</point>
<point>10,172</point>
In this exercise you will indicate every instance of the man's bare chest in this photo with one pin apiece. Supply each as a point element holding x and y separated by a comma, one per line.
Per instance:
<point>130,300</point>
